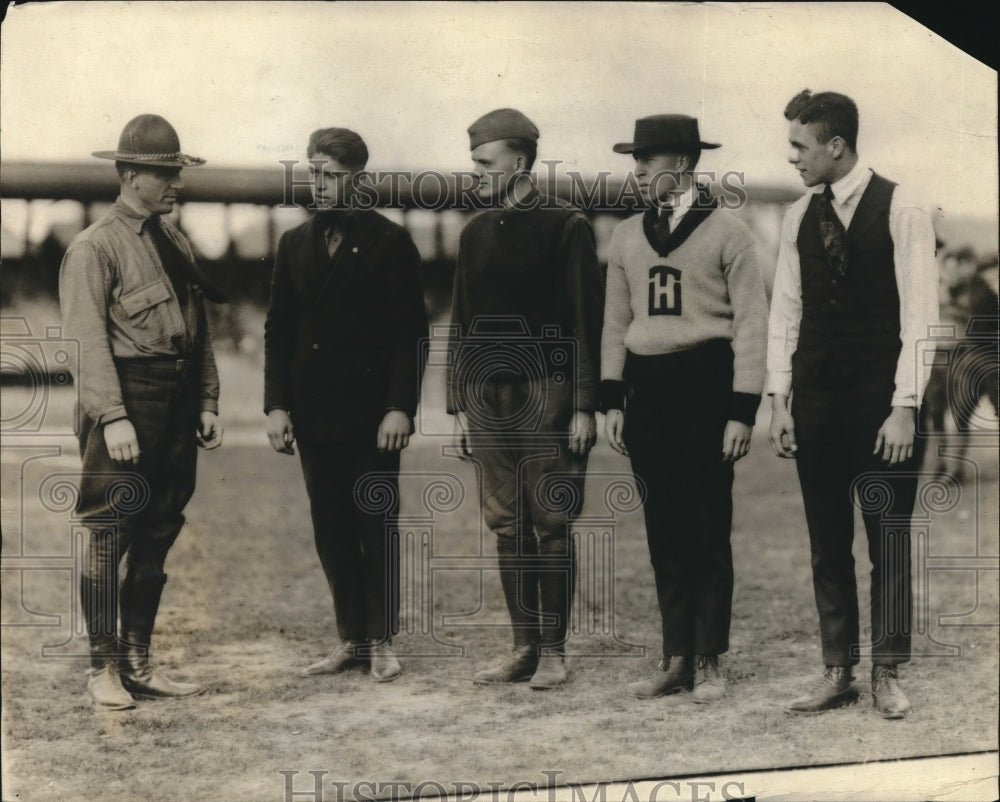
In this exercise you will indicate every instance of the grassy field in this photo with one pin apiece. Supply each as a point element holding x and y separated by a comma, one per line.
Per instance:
<point>247,606</point>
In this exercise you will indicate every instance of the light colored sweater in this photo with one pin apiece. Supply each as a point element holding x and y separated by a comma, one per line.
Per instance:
<point>709,288</point>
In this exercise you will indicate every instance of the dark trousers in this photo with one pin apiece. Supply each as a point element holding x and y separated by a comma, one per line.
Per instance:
<point>532,489</point>
<point>136,511</point>
<point>675,416</point>
<point>352,525</point>
<point>835,463</point>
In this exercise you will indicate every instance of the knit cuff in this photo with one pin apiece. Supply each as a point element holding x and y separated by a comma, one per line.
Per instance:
<point>612,394</point>
<point>743,407</point>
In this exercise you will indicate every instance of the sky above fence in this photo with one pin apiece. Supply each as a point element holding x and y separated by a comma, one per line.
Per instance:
<point>245,83</point>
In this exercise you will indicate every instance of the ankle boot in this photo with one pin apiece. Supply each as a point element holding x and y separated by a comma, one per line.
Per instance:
<point>138,675</point>
<point>675,673</point>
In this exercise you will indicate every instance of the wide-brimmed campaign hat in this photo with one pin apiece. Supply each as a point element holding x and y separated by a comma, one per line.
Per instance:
<point>665,132</point>
<point>151,140</point>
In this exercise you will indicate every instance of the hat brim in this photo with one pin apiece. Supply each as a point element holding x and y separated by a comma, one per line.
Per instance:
<point>631,147</point>
<point>181,160</point>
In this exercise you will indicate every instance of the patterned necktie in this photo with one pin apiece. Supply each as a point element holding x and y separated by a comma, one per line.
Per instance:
<point>833,233</point>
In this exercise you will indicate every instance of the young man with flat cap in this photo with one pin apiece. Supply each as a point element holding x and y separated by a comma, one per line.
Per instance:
<point>523,383</point>
<point>133,296</point>
<point>341,378</point>
<point>682,369</point>
<point>855,290</point>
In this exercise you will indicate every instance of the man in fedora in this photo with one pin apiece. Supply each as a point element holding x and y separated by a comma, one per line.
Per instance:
<point>522,383</point>
<point>342,371</point>
<point>682,369</point>
<point>855,292</point>
<point>133,297</point>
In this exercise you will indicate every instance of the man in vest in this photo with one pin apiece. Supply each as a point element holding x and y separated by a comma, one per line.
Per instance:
<point>855,291</point>
<point>523,384</point>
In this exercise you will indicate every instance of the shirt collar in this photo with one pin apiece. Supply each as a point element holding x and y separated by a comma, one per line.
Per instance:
<point>847,186</point>
<point>129,215</point>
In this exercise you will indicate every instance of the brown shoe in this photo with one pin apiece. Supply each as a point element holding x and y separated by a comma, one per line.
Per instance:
<point>709,684</point>
<point>340,659</point>
<point>835,689</point>
<point>674,674</point>
<point>551,672</point>
<point>385,665</point>
<point>520,666</point>
<point>105,686</point>
<point>888,698</point>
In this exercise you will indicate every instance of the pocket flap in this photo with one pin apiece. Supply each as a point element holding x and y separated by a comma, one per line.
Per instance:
<point>152,294</point>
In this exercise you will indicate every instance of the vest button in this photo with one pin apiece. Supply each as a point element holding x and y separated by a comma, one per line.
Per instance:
<point>832,301</point>
<point>315,346</point>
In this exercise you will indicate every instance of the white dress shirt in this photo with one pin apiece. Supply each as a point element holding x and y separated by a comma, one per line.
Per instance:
<point>916,280</point>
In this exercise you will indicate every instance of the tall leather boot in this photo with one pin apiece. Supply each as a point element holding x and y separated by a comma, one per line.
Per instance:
<point>557,574</point>
<point>140,600</point>
<point>519,580</point>
<point>104,683</point>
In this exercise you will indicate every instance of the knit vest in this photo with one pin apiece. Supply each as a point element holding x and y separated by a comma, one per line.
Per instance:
<point>849,335</point>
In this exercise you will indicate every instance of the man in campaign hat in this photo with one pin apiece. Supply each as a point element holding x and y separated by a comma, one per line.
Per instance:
<point>133,297</point>
<point>682,369</point>
<point>522,383</point>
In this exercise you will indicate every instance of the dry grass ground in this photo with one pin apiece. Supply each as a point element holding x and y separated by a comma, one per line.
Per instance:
<point>247,606</point>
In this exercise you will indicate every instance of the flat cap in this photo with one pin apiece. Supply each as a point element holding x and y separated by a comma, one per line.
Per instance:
<point>501,124</point>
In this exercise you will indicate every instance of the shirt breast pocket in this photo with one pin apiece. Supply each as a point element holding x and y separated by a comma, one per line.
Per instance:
<point>144,317</point>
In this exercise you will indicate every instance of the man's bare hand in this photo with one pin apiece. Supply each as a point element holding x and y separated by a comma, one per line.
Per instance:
<point>280,432</point>
<point>736,441</point>
<point>394,431</point>
<point>209,431</point>
<point>895,436</point>
<point>782,431</point>
<point>120,438</point>
<point>582,433</point>
<point>614,425</point>
<point>460,437</point>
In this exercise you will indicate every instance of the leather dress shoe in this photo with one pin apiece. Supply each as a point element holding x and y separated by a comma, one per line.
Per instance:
<point>551,672</point>
<point>520,666</point>
<point>105,686</point>
<point>340,659</point>
<point>385,665</point>
<point>835,689</point>
<point>888,698</point>
<point>709,684</point>
<point>155,685</point>
<point>674,674</point>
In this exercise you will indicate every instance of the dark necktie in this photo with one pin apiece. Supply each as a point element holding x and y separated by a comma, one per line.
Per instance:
<point>833,233</point>
<point>180,270</point>
<point>662,224</point>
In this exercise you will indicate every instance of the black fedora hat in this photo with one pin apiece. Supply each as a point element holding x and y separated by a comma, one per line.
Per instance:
<point>149,139</point>
<point>665,132</point>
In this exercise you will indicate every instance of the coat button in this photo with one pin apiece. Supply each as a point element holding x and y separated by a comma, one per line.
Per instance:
<point>832,301</point>
<point>315,346</point>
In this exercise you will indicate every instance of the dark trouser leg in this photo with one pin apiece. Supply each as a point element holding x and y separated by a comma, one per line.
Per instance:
<point>713,563</point>
<point>352,534</point>
<point>327,473</point>
<point>824,472</point>
<point>886,496</point>
<point>379,546</point>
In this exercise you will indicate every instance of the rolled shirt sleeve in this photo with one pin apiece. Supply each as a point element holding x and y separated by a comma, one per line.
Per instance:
<point>917,282</point>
